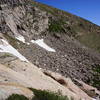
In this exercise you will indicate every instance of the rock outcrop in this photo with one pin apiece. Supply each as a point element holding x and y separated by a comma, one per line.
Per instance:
<point>27,75</point>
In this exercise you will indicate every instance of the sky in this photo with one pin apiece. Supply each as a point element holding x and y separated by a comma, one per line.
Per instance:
<point>88,9</point>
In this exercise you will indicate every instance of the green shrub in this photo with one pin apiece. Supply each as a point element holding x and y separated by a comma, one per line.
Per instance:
<point>97,68</point>
<point>6,55</point>
<point>17,97</point>
<point>40,95</point>
<point>96,79</point>
<point>56,26</point>
<point>47,95</point>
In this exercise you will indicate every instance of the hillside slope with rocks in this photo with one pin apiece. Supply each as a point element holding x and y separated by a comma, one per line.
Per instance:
<point>64,44</point>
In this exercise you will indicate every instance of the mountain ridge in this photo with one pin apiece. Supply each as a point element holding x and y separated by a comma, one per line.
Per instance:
<point>68,12</point>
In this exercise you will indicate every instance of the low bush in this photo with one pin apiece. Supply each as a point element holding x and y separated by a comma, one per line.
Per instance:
<point>17,97</point>
<point>47,95</point>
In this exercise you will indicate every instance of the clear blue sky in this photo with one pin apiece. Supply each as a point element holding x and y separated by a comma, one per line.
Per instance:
<point>88,9</point>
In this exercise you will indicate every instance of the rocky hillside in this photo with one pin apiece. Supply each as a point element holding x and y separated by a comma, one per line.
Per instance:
<point>54,41</point>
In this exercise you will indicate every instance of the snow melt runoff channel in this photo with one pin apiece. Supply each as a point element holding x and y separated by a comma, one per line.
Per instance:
<point>7,48</point>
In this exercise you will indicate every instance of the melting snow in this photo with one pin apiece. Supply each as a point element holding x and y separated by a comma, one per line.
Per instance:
<point>42,44</point>
<point>94,99</point>
<point>6,47</point>
<point>27,43</point>
<point>20,38</point>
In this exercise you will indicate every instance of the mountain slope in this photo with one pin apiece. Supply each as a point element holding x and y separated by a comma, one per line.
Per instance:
<point>51,39</point>
<point>83,30</point>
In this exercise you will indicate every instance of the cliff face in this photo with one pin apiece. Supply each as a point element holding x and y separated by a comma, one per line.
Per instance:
<point>23,18</point>
<point>50,39</point>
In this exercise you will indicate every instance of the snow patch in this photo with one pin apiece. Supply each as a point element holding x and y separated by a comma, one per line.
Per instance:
<point>6,47</point>
<point>94,99</point>
<point>20,38</point>
<point>42,44</point>
<point>27,43</point>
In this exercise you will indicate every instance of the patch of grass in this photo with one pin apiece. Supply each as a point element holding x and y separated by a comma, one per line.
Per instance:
<point>14,42</point>
<point>97,68</point>
<point>96,82</point>
<point>91,40</point>
<point>6,55</point>
<point>17,97</point>
<point>11,40</point>
<point>47,95</point>
<point>56,26</point>
<point>96,79</point>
